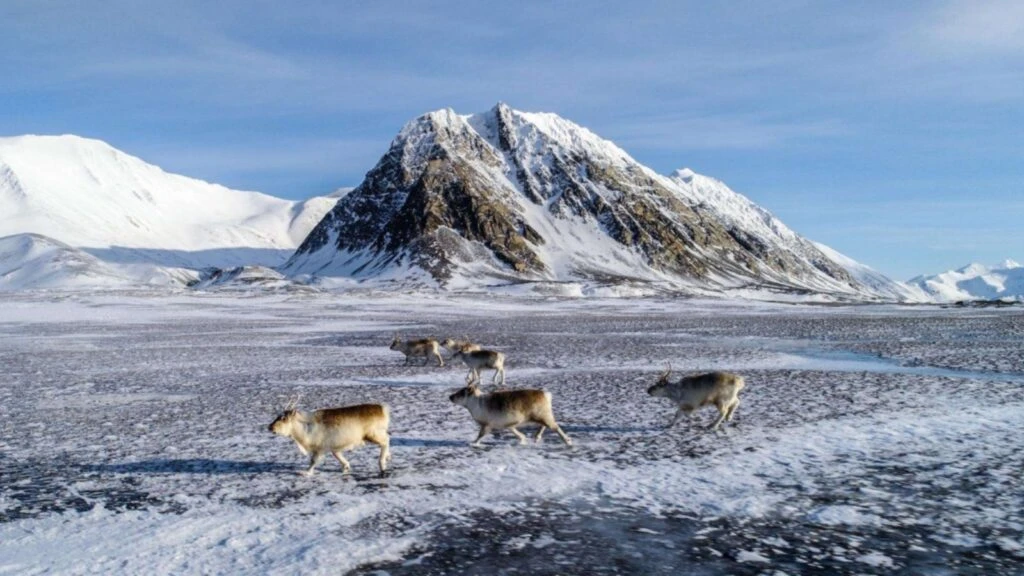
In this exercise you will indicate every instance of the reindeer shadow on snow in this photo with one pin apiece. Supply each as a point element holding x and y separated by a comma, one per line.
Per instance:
<point>190,466</point>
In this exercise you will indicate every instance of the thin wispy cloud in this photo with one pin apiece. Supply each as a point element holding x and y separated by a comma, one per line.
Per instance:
<point>977,28</point>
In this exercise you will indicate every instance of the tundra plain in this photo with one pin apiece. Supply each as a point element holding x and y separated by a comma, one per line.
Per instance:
<point>869,439</point>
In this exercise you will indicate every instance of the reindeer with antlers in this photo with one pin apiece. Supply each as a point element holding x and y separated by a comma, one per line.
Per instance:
<point>425,347</point>
<point>335,430</point>
<point>690,393</point>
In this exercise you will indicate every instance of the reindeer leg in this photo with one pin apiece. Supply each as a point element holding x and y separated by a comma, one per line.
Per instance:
<point>314,459</point>
<point>520,435</point>
<point>732,408</point>
<point>718,422</point>
<point>549,422</point>
<point>484,429</point>
<point>385,457</point>
<point>675,419</point>
<point>345,467</point>
<point>563,435</point>
<point>382,440</point>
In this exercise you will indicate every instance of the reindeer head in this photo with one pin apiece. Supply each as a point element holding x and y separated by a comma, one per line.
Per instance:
<point>282,425</point>
<point>462,396</point>
<point>396,344</point>
<point>659,387</point>
<point>448,343</point>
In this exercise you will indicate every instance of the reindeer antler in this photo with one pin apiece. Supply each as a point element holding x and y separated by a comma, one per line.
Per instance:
<point>293,402</point>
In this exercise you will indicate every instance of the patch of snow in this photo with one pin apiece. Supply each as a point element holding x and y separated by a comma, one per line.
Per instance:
<point>876,559</point>
<point>839,514</point>
<point>751,556</point>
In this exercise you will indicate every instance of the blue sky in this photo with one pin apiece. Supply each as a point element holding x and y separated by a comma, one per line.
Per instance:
<point>892,131</point>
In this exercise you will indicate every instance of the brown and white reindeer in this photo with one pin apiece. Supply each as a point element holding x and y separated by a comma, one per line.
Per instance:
<point>478,360</point>
<point>454,346</point>
<point>509,409</point>
<point>425,347</point>
<point>334,430</point>
<point>691,393</point>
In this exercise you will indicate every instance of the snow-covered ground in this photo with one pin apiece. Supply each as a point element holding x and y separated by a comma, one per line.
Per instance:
<point>869,440</point>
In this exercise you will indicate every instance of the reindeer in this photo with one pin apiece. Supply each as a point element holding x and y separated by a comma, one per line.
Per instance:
<point>426,347</point>
<point>478,359</point>
<point>335,430</point>
<point>455,346</point>
<point>691,393</point>
<point>508,409</point>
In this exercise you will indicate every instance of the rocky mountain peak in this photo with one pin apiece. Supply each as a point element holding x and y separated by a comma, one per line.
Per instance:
<point>520,196</point>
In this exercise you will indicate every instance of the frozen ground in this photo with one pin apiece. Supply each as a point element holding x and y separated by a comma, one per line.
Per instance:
<point>870,440</point>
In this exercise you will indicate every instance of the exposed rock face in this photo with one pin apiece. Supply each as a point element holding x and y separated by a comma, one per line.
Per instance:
<point>507,194</point>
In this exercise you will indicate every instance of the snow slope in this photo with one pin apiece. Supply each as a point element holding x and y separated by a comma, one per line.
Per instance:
<point>92,196</point>
<point>743,214</point>
<point>879,283</point>
<point>975,282</point>
<point>36,262</point>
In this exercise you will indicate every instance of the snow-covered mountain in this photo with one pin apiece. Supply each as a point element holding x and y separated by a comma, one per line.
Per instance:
<point>511,196</point>
<point>88,195</point>
<point>975,282</point>
<point>36,262</point>
<point>878,283</point>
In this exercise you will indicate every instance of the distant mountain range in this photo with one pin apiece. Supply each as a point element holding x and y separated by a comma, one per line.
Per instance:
<point>498,200</point>
<point>974,282</point>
